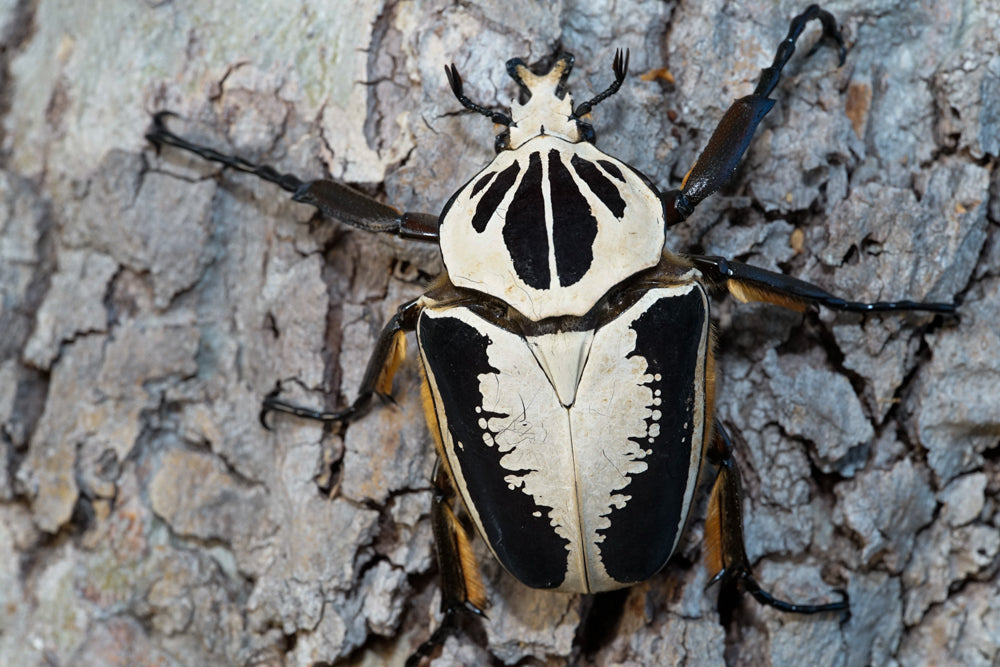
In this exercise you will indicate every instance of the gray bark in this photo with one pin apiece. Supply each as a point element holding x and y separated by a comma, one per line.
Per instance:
<point>150,301</point>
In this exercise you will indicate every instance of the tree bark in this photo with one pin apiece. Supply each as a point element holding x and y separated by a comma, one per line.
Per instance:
<point>151,300</point>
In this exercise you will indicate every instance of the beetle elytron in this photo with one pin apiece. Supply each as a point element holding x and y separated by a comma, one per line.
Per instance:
<point>568,358</point>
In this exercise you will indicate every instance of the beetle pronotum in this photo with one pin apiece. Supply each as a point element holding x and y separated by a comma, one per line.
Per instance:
<point>568,357</point>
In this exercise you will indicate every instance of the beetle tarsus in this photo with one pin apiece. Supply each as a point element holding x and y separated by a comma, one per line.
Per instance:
<point>273,404</point>
<point>750,585</point>
<point>437,638</point>
<point>450,624</point>
<point>752,283</point>
<point>770,76</point>
<point>159,135</point>
<point>744,577</point>
<point>831,33</point>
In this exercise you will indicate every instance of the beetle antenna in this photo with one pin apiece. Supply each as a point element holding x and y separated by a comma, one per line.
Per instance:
<point>621,69</point>
<point>456,86</point>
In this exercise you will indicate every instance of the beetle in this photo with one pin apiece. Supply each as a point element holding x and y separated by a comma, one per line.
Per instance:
<point>568,357</point>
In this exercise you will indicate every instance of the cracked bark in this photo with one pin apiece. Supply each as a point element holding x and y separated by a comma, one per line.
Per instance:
<point>150,302</point>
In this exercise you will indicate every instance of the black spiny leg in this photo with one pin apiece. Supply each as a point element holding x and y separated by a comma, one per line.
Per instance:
<point>751,283</point>
<point>390,350</point>
<point>724,532</point>
<point>334,200</point>
<point>462,591</point>
<point>730,140</point>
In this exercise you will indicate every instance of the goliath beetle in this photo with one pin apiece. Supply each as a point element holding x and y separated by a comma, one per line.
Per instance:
<point>567,355</point>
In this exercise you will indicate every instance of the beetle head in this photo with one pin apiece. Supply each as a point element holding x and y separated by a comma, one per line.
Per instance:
<point>546,107</point>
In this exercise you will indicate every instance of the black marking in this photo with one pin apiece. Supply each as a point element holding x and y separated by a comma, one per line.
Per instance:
<point>481,183</point>
<point>641,536</point>
<point>520,534</point>
<point>600,185</point>
<point>574,226</point>
<point>491,199</point>
<point>524,231</point>
<point>612,169</point>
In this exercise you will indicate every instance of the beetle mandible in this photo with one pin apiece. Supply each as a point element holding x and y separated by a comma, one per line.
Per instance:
<point>568,357</point>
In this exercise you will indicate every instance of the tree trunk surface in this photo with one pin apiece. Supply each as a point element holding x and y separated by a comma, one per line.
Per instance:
<point>151,300</point>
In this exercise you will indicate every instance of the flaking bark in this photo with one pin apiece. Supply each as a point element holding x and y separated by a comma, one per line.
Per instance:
<point>150,302</point>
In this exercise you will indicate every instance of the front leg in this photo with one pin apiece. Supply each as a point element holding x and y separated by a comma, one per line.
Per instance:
<point>334,200</point>
<point>732,136</point>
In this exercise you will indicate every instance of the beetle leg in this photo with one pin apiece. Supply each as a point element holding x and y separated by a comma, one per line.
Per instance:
<point>751,283</point>
<point>390,350</point>
<point>334,200</point>
<point>724,532</point>
<point>462,590</point>
<point>732,136</point>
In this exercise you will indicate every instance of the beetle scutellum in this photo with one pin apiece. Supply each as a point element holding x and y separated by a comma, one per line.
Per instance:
<point>568,357</point>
